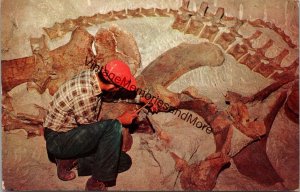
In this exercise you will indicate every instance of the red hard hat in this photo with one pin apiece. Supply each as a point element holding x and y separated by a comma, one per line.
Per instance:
<point>117,72</point>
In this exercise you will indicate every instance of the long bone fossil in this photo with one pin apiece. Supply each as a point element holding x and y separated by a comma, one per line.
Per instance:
<point>202,24</point>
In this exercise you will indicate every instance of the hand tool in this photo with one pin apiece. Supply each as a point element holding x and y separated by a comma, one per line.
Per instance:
<point>138,110</point>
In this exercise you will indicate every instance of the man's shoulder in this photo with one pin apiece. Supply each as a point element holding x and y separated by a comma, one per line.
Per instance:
<point>83,74</point>
<point>79,84</point>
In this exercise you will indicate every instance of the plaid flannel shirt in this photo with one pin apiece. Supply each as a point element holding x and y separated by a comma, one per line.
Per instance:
<point>76,102</point>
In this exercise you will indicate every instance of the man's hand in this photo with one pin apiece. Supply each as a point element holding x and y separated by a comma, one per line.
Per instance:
<point>126,140</point>
<point>153,106</point>
<point>127,117</point>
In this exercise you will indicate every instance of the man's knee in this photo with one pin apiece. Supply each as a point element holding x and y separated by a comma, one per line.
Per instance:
<point>53,149</point>
<point>115,126</point>
<point>125,162</point>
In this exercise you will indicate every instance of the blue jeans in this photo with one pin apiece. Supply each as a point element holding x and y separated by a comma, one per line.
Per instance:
<point>97,147</point>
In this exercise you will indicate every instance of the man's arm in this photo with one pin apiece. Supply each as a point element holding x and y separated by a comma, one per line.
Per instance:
<point>133,97</point>
<point>86,108</point>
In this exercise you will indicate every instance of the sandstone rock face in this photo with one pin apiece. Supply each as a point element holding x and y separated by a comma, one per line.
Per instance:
<point>182,51</point>
<point>178,136</point>
<point>153,167</point>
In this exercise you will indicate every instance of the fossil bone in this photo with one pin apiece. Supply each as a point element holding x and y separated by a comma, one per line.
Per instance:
<point>114,43</point>
<point>203,24</point>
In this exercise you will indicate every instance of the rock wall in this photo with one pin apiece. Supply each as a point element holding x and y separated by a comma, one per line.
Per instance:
<point>22,20</point>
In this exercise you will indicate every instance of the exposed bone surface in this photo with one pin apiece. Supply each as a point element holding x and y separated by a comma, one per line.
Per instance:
<point>250,52</point>
<point>279,151</point>
<point>227,180</point>
<point>192,55</point>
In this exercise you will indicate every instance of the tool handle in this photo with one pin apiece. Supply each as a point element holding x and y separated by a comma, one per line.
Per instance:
<point>138,110</point>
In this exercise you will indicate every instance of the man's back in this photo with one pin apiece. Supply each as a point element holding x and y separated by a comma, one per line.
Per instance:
<point>76,102</point>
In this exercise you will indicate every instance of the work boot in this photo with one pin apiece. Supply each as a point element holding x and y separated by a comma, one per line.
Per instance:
<point>64,168</point>
<point>94,185</point>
